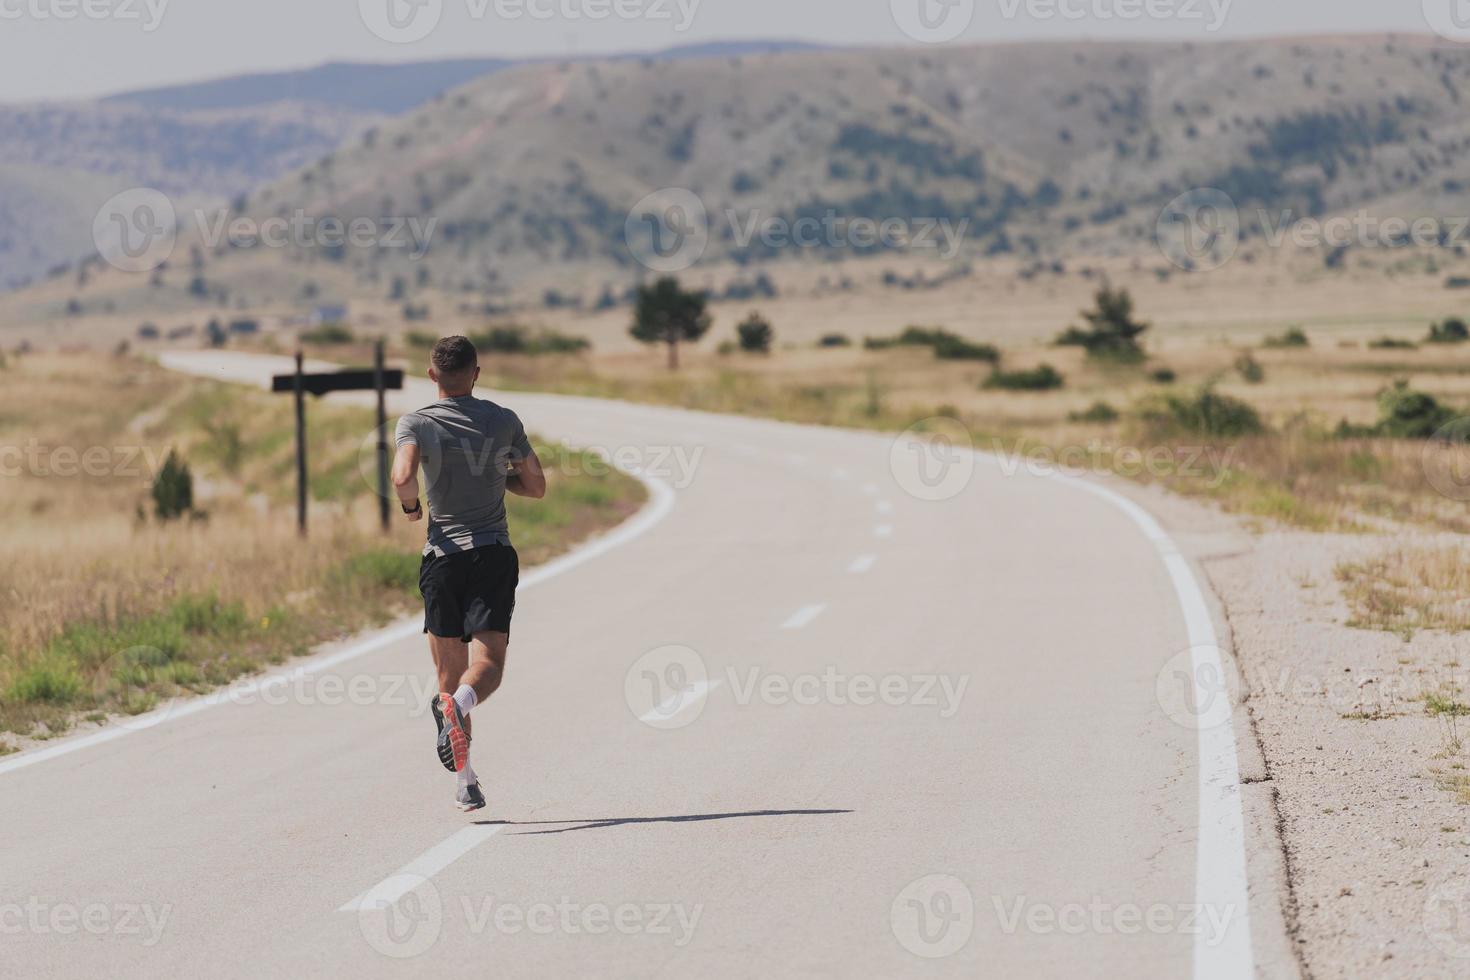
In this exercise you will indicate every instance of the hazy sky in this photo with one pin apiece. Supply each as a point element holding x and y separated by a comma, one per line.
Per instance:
<point>59,49</point>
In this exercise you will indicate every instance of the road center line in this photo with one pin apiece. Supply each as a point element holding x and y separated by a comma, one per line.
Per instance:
<point>885,506</point>
<point>804,616</point>
<point>386,893</point>
<point>883,531</point>
<point>862,565</point>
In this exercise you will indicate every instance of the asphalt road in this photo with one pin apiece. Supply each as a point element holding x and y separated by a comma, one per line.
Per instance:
<point>794,720</point>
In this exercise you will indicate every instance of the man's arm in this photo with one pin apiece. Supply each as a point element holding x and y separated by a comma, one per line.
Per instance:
<point>406,480</point>
<point>526,478</point>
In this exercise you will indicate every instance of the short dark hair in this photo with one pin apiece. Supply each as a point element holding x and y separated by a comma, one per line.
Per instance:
<point>455,358</point>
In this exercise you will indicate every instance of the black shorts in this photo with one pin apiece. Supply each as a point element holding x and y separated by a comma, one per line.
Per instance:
<point>470,592</point>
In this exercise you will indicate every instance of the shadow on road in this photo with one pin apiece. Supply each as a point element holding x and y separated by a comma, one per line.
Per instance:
<point>602,822</point>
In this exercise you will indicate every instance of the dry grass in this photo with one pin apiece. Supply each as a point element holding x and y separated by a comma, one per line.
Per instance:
<point>1405,591</point>
<point>106,607</point>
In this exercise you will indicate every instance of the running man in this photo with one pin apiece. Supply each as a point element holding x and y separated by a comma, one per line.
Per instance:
<point>472,452</point>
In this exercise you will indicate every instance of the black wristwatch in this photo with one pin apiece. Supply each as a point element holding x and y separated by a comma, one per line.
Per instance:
<point>410,511</point>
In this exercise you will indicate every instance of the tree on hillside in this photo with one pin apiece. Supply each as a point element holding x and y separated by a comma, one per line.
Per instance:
<point>1114,333</point>
<point>665,313</point>
<point>756,334</point>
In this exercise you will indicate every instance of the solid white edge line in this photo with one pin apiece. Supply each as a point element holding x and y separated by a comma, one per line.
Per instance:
<point>660,504</point>
<point>386,893</point>
<point>1221,877</point>
<point>804,616</point>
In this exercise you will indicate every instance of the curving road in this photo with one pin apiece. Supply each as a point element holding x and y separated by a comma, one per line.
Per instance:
<point>794,720</point>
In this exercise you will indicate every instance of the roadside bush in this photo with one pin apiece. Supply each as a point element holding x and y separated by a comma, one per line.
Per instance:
<point>1451,331</point>
<point>1404,413</point>
<point>946,346</point>
<point>328,334</point>
<point>1112,333</point>
<point>834,340</point>
<point>1204,412</point>
<point>1392,343</point>
<point>1041,378</point>
<point>173,489</point>
<point>1101,413</point>
<point>1164,376</point>
<point>1294,337</point>
<point>755,334</point>
<point>1250,369</point>
<point>517,340</point>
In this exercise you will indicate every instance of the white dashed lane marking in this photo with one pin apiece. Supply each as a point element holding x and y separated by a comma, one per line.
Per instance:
<point>804,616</point>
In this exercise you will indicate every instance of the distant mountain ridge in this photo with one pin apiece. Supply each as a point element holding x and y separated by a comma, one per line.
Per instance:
<point>391,89</point>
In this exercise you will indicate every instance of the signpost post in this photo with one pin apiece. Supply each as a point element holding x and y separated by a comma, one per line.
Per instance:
<point>379,379</point>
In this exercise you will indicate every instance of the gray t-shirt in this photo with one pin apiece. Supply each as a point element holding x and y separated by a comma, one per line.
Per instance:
<point>467,445</point>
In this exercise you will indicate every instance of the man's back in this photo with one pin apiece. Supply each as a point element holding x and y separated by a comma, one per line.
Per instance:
<point>466,445</point>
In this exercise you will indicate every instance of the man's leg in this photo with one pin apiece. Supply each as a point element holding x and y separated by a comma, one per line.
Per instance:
<point>451,660</point>
<point>486,667</point>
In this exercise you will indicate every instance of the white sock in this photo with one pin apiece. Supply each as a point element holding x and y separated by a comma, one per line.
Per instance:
<point>467,775</point>
<point>466,699</point>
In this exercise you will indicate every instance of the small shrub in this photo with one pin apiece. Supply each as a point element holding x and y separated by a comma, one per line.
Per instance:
<point>951,348</point>
<point>173,489</point>
<point>1101,413</point>
<point>1451,331</point>
<point>1392,343</point>
<point>1042,378</point>
<point>1113,334</point>
<point>1250,369</point>
<point>1294,337</point>
<point>832,340</point>
<point>755,334</point>
<point>328,333</point>
<point>1164,376</point>
<point>46,683</point>
<point>1404,413</point>
<point>1203,412</point>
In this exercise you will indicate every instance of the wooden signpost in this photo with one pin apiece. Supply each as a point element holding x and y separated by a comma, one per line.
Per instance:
<point>378,379</point>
